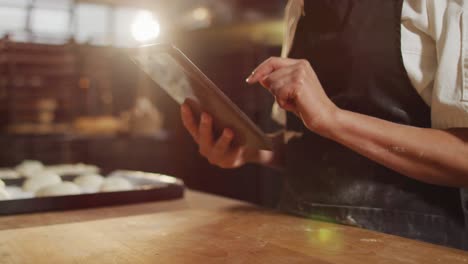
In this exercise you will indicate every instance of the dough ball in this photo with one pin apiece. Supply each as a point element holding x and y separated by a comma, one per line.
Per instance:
<point>89,182</point>
<point>44,179</point>
<point>16,193</point>
<point>73,169</point>
<point>9,174</point>
<point>2,184</point>
<point>59,189</point>
<point>4,195</point>
<point>116,184</point>
<point>29,168</point>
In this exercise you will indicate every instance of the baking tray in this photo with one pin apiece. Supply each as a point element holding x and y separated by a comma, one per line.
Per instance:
<point>148,187</point>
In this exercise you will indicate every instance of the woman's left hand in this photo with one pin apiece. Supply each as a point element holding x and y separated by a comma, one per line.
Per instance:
<point>297,89</point>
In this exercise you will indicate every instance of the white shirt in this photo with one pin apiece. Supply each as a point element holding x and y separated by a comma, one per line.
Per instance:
<point>434,46</point>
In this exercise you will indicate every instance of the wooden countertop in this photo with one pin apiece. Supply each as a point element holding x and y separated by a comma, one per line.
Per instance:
<point>192,200</point>
<point>201,228</point>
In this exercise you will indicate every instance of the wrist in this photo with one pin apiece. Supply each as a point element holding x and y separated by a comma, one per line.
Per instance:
<point>334,123</point>
<point>326,122</point>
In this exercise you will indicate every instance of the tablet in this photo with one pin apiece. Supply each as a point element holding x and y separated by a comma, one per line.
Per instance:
<point>171,70</point>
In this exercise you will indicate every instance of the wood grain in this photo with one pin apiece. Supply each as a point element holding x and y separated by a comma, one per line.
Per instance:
<point>231,233</point>
<point>192,200</point>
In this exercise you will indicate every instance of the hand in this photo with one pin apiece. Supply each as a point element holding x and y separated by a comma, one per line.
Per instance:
<point>297,89</point>
<point>218,152</point>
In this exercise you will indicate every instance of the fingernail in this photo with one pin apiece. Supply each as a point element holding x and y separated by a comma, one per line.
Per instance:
<point>250,77</point>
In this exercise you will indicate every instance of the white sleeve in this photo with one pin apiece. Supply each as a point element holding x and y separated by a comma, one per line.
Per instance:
<point>435,53</point>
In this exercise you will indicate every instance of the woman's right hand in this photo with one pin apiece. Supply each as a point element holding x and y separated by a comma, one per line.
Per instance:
<point>218,152</point>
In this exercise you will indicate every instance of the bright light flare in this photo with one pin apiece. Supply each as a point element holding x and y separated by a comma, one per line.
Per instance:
<point>201,14</point>
<point>145,27</point>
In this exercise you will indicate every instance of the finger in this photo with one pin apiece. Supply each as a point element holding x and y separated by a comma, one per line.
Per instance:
<point>269,66</point>
<point>277,79</point>
<point>287,100</point>
<point>205,133</point>
<point>222,145</point>
<point>189,121</point>
<point>285,91</point>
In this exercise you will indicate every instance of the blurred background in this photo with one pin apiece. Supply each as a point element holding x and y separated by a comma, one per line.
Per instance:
<point>69,94</point>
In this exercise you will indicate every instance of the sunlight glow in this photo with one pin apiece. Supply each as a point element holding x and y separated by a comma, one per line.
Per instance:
<point>145,27</point>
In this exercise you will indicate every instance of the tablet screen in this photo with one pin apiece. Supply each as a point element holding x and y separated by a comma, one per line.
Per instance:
<point>169,75</point>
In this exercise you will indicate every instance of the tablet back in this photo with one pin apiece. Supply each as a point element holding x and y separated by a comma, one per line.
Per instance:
<point>184,82</point>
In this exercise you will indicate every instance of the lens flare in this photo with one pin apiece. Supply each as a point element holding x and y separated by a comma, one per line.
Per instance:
<point>145,27</point>
<point>325,237</point>
<point>201,14</point>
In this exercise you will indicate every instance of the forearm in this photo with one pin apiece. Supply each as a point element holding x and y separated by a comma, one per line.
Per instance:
<point>428,155</point>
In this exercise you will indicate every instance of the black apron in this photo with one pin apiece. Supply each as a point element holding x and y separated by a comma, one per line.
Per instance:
<point>354,47</point>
